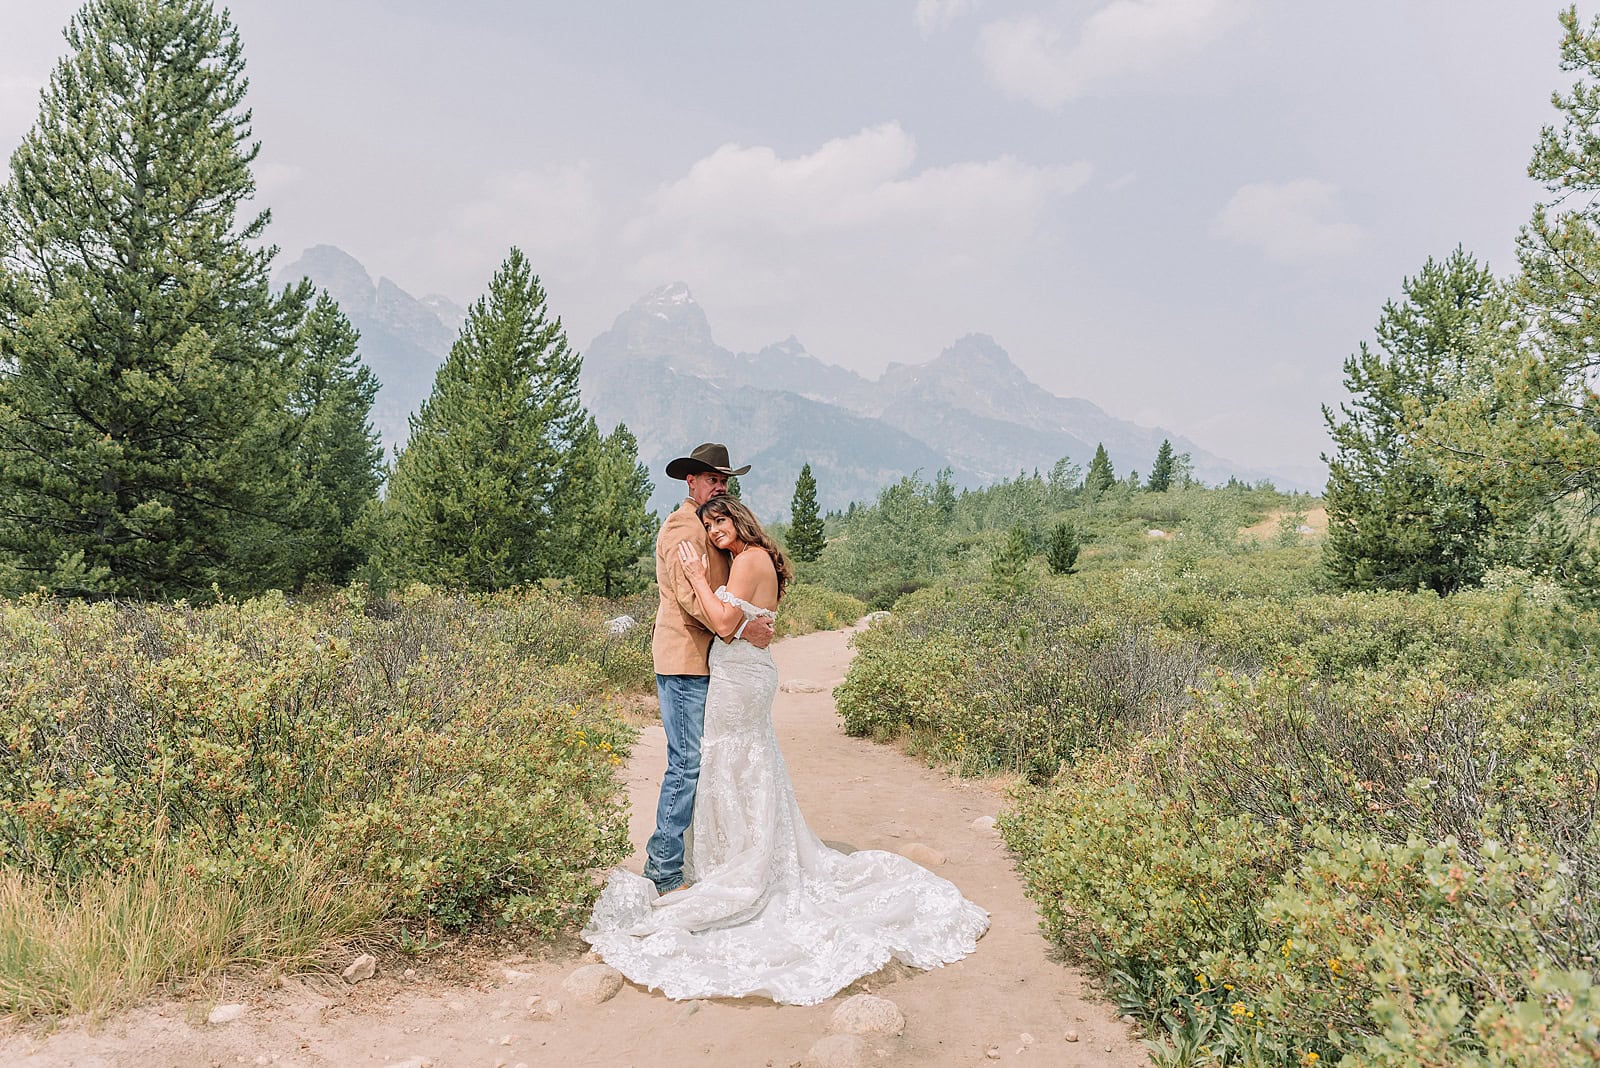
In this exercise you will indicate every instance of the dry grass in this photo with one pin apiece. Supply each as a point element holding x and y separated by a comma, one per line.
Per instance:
<point>1316,519</point>
<point>112,938</point>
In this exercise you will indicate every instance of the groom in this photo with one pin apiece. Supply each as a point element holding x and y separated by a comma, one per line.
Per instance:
<point>680,647</point>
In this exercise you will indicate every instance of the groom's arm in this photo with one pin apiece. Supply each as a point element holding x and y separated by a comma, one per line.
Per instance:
<point>757,631</point>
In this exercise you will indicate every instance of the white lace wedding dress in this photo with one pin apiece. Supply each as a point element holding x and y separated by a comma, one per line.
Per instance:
<point>770,910</point>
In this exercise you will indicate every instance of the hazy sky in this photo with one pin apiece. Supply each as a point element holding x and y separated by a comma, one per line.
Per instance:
<point>1187,211</point>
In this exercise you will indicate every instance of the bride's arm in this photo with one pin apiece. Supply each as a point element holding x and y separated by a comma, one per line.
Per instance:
<point>723,617</point>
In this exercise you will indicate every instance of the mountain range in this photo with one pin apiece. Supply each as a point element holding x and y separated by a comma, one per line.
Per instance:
<point>660,371</point>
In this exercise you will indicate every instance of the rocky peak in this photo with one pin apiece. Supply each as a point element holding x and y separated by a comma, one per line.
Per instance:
<point>664,322</point>
<point>974,373</point>
<point>789,346</point>
<point>335,270</point>
<point>410,317</point>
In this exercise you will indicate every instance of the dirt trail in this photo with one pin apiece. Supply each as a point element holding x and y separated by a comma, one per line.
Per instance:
<point>853,793</point>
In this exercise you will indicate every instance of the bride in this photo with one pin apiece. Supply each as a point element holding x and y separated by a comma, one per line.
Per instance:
<point>769,909</point>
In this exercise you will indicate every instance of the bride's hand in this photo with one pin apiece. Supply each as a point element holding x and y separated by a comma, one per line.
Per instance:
<point>694,564</point>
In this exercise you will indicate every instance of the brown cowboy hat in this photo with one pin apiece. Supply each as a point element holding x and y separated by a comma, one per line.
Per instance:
<point>708,457</point>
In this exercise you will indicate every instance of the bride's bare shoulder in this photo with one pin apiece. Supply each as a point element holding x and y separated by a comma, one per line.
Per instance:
<point>755,562</point>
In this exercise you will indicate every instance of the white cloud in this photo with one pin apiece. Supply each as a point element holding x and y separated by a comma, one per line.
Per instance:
<point>1287,221</point>
<point>855,185</point>
<point>851,224</point>
<point>1038,58</point>
<point>934,15</point>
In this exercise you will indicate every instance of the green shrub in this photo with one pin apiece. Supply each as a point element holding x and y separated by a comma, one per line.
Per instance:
<point>456,752</point>
<point>807,607</point>
<point>1289,827</point>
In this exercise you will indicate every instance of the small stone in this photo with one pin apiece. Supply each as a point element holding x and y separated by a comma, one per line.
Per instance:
<point>1025,1038</point>
<point>984,823</point>
<point>927,856</point>
<point>1071,1036</point>
<point>593,984</point>
<point>545,1009</point>
<point>363,967</point>
<point>224,1014</point>
<point>1129,1018</point>
<point>801,686</point>
<point>507,1040</point>
<point>872,619</point>
<point>409,973</point>
<point>512,977</point>
<point>620,625</point>
<point>1108,1049</point>
<point>867,1014</point>
<point>993,1053</point>
<point>837,1051</point>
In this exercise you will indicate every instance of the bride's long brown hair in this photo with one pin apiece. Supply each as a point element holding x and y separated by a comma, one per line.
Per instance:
<point>748,528</point>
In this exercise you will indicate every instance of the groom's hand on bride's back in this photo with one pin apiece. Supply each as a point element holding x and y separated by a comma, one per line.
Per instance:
<point>758,632</point>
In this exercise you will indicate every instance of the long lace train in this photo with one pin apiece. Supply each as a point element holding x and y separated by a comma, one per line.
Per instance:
<point>771,910</point>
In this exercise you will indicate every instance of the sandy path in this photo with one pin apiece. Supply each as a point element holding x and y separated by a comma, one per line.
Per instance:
<point>853,792</point>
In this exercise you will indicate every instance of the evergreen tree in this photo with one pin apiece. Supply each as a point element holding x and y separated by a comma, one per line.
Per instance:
<point>733,486</point>
<point>478,493</point>
<point>1008,570</point>
<point>1062,551</point>
<point>142,354</point>
<point>610,527</point>
<point>1100,477</point>
<point>338,461</point>
<point>1161,472</point>
<point>1394,521</point>
<point>1522,431</point>
<point>806,536</point>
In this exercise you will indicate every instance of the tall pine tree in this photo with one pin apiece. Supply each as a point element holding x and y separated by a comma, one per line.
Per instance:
<point>338,462</point>
<point>142,353</point>
<point>478,494</point>
<point>610,528</point>
<point>1524,433</point>
<point>1101,477</point>
<point>1394,520</point>
<point>806,537</point>
<point>1162,470</point>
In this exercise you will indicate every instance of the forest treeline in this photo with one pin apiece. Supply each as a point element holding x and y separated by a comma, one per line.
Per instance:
<point>171,425</point>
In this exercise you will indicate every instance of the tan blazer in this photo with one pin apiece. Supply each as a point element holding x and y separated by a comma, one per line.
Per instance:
<point>682,640</point>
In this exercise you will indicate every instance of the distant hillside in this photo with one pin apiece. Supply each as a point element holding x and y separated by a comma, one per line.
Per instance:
<point>970,409</point>
<point>403,339</point>
<point>660,370</point>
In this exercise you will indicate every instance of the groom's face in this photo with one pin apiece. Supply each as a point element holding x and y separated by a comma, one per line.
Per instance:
<point>704,485</point>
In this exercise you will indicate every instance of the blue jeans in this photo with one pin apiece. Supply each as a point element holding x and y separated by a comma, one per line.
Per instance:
<point>683,717</point>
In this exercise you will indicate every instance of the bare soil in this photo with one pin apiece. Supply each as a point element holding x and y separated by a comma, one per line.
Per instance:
<point>1010,1002</point>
